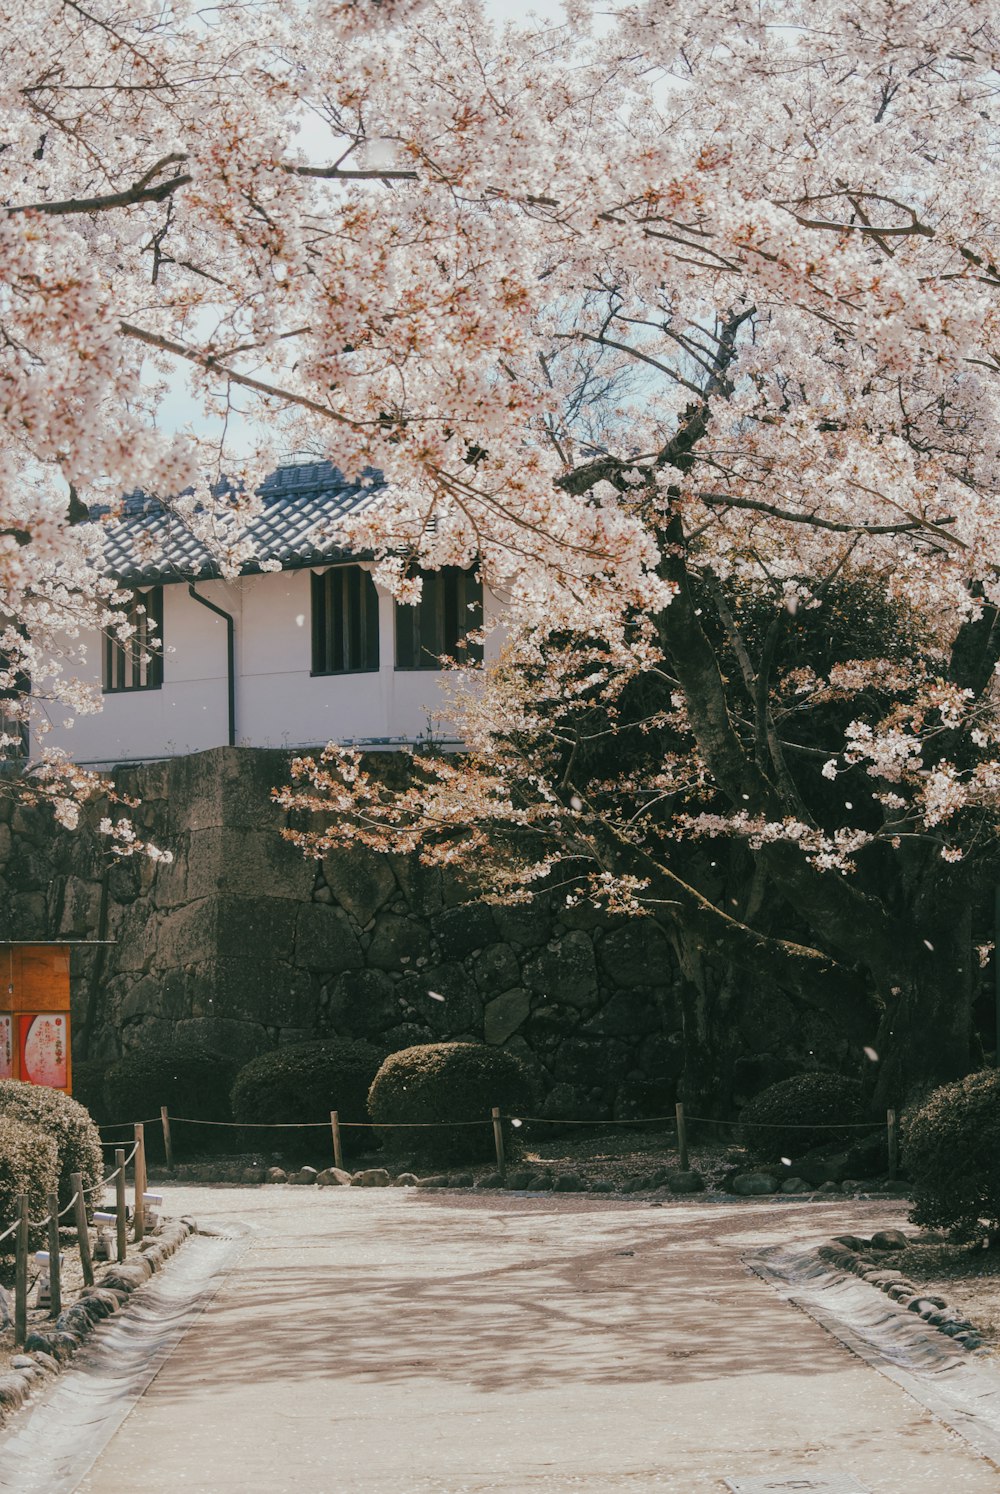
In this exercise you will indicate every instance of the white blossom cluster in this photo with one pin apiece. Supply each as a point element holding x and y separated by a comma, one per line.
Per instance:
<point>678,287</point>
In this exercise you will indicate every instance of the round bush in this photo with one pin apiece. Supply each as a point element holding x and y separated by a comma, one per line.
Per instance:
<point>88,1087</point>
<point>447,1083</point>
<point>77,1140</point>
<point>302,1083</point>
<point>952,1149</point>
<point>29,1163</point>
<point>190,1079</point>
<point>794,1115</point>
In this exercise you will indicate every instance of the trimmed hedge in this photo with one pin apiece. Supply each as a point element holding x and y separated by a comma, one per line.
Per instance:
<point>77,1140</point>
<point>29,1163</point>
<point>88,1087</point>
<point>448,1082</point>
<point>191,1080</point>
<point>302,1083</point>
<point>797,1114</point>
<point>952,1150</point>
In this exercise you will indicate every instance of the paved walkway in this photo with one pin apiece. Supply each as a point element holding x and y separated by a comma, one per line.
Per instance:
<point>400,1342</point>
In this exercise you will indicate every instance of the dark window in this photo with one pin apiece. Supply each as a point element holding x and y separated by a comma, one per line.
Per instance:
<point>136,663</point>
<point>450,608</point>
<point>344,621</point>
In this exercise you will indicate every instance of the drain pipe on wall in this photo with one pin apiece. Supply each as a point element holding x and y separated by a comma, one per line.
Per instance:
<point>230,656</point>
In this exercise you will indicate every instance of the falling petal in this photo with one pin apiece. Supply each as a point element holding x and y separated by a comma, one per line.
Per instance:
<point>871,1054</point>
<point>515,1122</point>
<point>929,945</point>
<point>848,804</point>
<point>575,803</point>
<point>787,1161</point>
<point>435,996</point>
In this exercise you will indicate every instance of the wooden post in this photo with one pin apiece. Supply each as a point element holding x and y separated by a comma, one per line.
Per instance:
<point>82,1228</point>
<point>168,1146</point>
<point>682,1137</point>
<point>55,1272</point>
<point>892,1137</point>
<point>338,1150</point>
<point>498,1142</point>
<point>122,1222</point>
<point>139,1182</point>
<point>21,1274</point>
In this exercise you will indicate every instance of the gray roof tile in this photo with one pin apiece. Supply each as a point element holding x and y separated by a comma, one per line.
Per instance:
<point>303,504</point>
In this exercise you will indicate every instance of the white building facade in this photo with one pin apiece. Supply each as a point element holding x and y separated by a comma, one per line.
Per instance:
<point>312,653</point>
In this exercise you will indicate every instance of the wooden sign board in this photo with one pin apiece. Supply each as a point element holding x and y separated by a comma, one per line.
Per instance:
<point>34,1015</point>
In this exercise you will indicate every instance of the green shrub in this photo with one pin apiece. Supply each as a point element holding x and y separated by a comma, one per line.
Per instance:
<point>181,1073</point>
<point>448,1082</point>
<point>88,1087</point>
<point>77,1140</point>
<point>29,1163</point>
<point>952,1150</point>
<point>302,1083</point>
<point>794,1115</point>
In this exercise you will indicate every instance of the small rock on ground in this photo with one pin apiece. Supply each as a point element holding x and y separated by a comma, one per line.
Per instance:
<point>748,1184</point>
<point>304,1175</point>
<point>333,1177</point>
<point>685,1180</point>
<point>889,1239</point>
<point>796,1185</point>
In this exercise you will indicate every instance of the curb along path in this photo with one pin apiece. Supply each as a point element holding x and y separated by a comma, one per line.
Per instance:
<point>907,1346</point>
<point>52,1446</point>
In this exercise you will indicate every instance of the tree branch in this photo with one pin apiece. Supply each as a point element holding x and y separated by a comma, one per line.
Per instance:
<point>813,976</point>
<point>245,381</point>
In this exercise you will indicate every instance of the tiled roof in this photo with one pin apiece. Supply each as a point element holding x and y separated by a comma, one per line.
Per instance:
<point>302,507</point>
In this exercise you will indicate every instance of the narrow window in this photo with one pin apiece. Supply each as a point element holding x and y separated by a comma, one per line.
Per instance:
<point>136,663</point>
<point>450,608</point>
<point>344,621</point>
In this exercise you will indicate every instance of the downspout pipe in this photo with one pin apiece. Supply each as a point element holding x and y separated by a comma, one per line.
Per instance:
<point>230,656</point>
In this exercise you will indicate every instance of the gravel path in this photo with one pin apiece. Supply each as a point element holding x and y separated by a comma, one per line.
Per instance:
<point>394,1342</point>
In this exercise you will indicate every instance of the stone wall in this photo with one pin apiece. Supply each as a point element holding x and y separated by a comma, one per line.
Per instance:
<point>244,943</point>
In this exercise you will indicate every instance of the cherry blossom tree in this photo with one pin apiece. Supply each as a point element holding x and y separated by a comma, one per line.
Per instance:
<point>388,233</point>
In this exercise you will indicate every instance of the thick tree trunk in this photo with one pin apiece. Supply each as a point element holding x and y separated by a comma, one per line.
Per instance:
<point>708,999</point>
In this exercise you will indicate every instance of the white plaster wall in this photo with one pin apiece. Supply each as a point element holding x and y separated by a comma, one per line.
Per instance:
<point>278,702</point>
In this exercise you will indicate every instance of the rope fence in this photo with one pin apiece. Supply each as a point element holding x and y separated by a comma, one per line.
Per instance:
<point>24,1224</point>
<point>77,1206</point>
<point>497,1119</point>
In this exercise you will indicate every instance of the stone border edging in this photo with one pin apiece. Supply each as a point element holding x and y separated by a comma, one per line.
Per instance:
<point>48,1349</point>
<point>934,1310</point>
<point>941,1374</point>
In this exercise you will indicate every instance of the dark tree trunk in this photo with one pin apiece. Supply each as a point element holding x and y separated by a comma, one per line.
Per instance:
<point>708,1001</point>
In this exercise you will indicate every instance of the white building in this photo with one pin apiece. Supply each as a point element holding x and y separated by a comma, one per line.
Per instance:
<point>312,653</point>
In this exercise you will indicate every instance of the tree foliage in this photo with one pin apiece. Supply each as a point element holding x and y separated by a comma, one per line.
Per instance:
<point>807,1110</point>
<point>644,312</point>
<point>59,1117</point>
<point>304,1082</point>
<point>435,1099</point>
<point>951,1149</point>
